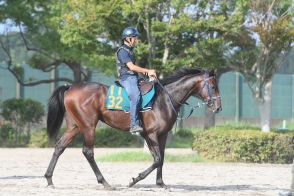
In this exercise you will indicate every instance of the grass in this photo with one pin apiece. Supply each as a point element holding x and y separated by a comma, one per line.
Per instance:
<point>289,125</point>
<point>146,157</point>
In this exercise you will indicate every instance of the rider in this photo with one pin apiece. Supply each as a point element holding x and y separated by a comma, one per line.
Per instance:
<point>128,73</point>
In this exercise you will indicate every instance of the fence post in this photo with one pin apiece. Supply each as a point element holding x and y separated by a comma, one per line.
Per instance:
<point>52,77</point>
<point>19,89</point>
<point>237,94</point>
<point>292,96</point>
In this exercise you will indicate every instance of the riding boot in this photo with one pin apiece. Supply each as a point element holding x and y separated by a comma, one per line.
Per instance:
<point>136,129</point>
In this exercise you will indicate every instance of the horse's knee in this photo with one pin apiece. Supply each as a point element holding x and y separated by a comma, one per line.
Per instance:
<point>158,162</point>
<point>59,149</point>
<point>88,152</point>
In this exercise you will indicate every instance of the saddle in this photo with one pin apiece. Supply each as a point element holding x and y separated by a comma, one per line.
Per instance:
<point>117,97</point>
<point>144,86</point>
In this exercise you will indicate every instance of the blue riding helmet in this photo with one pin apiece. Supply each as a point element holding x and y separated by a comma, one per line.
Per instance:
<point>130,32</point>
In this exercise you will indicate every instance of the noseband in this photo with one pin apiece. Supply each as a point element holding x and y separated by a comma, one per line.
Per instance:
<point>209,101</point>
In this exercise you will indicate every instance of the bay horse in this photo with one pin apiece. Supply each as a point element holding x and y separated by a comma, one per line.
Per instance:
<point>83,105</point>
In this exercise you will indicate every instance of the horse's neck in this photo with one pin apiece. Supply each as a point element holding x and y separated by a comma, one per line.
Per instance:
<point>182,89</point>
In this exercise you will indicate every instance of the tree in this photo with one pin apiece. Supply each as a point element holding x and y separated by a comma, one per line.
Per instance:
<point>38,25</point>
<point>22,114</point>
<point>251,37</point>
<point>261,47</point>
<point>173,33</point>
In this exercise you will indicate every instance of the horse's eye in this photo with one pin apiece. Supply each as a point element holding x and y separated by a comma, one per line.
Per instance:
<point>213,87</point>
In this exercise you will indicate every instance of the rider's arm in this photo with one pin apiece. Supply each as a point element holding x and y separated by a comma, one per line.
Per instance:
<point>136,68</point>
<point>124,58</point>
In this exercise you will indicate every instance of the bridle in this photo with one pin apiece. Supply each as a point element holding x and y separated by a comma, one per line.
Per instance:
<point>208,102</point>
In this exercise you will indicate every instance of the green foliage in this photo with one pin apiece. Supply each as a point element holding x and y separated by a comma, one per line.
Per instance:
<point>22,114</point>
<point>125,156</point>
<point>6,134</point>
<point>39,139</point>
<point>234,126</point>
<point>245,146</point>
<point>87,32</point>
<point>109,137</point>
<point>184,133</point>
<point>23,111</point>
<point>106,137</point>
<point>291,125</point>
<point>182,138</point>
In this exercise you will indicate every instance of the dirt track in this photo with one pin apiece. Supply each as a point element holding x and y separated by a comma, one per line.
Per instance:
<point>22,170</point>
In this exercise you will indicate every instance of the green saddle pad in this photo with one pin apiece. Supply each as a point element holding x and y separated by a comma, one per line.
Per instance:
<point>117,98</point>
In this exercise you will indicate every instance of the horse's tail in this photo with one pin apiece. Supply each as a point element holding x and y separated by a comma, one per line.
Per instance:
<point>56,110</point>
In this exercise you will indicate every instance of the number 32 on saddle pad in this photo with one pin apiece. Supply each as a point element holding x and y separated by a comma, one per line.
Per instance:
<point>117,98</point>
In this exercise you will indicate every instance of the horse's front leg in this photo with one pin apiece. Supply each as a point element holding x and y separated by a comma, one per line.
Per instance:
<point>152,142</point>
<point>162,141</point>
<point>89,154</point>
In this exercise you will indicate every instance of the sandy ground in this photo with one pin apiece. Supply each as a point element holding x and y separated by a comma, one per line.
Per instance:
<point>22,170</point>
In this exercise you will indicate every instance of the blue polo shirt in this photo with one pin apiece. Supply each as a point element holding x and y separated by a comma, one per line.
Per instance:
<point>124,57</point>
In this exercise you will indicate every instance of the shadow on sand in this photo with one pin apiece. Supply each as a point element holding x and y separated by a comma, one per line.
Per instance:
<point>19,177</point>
<point>188,188</point>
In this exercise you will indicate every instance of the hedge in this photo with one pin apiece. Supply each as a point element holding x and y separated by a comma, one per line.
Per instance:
<point>104,137</point>
<point>109,137</point>
<point>245,146</point>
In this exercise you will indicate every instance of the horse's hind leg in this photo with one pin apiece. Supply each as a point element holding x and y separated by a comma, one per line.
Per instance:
<point>59,149</point>
<point>89,154</point>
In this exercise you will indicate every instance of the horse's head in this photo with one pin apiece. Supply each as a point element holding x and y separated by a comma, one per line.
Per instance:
<point>207,90</point>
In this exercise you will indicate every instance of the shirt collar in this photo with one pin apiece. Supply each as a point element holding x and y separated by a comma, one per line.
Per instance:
<point>128,47</point>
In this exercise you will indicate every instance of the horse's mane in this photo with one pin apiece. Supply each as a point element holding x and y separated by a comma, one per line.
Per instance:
<point>180,73</point>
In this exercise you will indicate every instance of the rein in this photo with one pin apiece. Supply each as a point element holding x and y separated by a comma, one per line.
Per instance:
<point>199,105</point>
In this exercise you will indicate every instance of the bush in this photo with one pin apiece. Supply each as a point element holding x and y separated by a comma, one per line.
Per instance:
<point>109,137</point>
<point>39,139</point>
<point>6,134</point>
<point>181,138</point>
<point>22,114</point>
<point>104,137</point>
<point>184,133</point>
<point>245,146</point>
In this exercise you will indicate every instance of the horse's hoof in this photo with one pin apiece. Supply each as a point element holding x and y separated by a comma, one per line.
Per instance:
<point>132,182</point>
<point>109,188</point>
<point>162,185</point>
<point>51,186</point>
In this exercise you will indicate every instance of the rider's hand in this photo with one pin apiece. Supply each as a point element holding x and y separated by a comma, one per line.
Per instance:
<point>151,73</point>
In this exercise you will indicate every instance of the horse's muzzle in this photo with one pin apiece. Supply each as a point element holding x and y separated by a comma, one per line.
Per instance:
<point>218,109</point>
<point>215,105</point>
